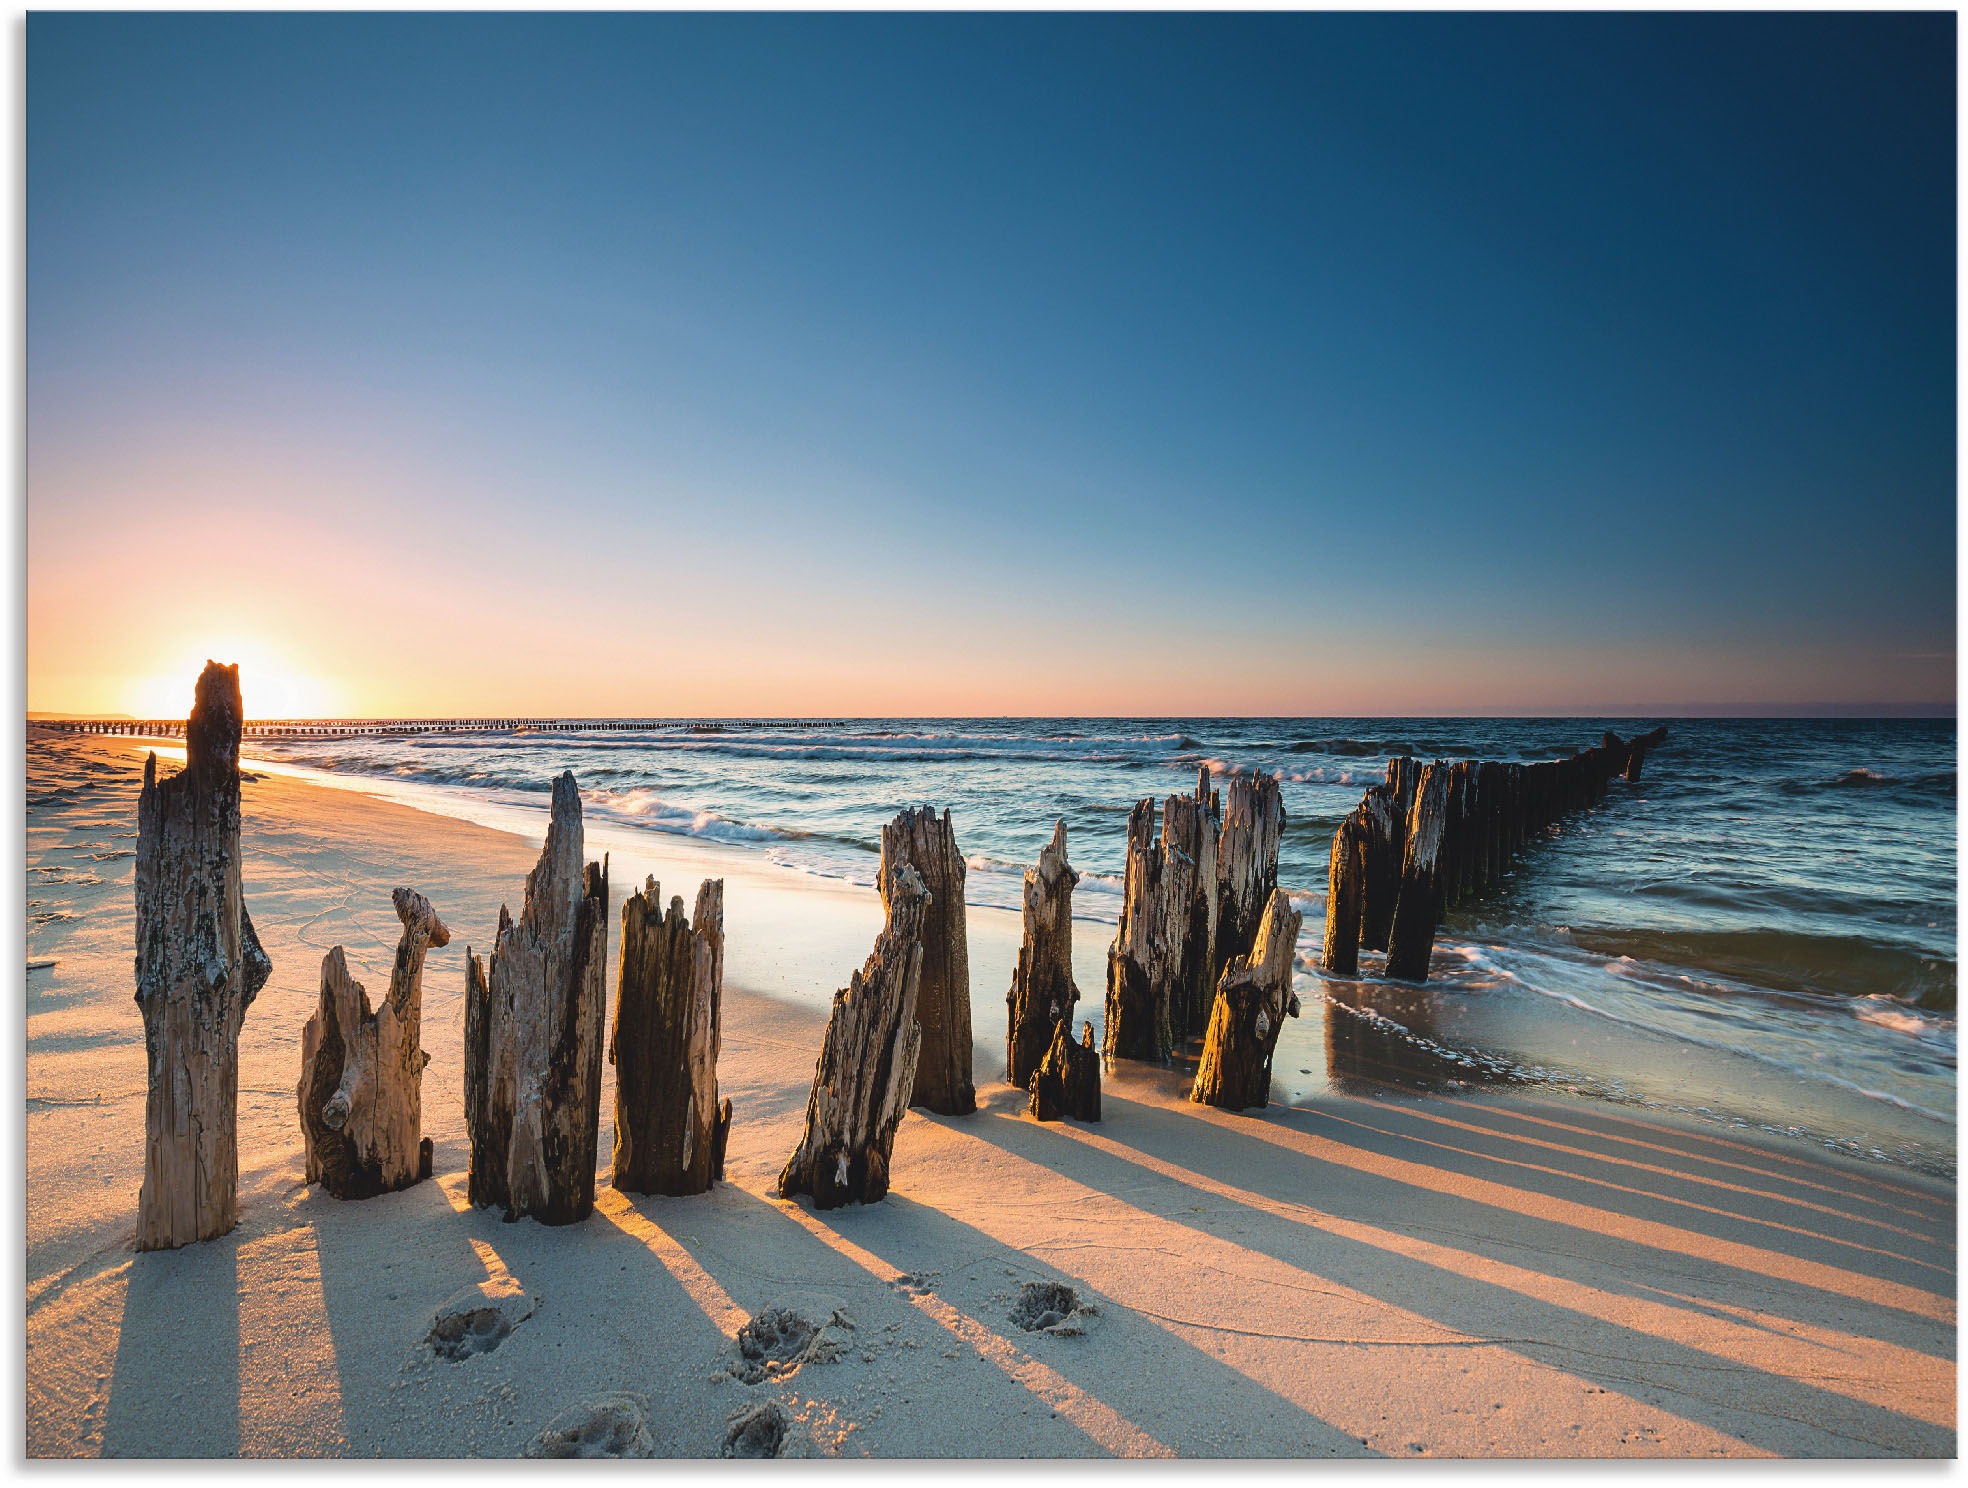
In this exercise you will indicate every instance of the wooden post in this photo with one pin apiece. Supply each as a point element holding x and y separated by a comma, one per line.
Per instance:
<point>670,1126</point>
<point>1246,864</point>
<point>944,1081</point>
<point>867,1065</point>
<point>362,1070</point>
<point>1384,828</point>
<point>1042,992</point>
<point>533,1035</point>
<point>1252,1002</point>
<point>1419,908</point>
<point>1345,877</point>
<point>1158,967</point>
<point>199,966</point>
<point>1067,1081</point>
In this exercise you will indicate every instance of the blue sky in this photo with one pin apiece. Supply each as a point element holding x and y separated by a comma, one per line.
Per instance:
<point>1001,363</point>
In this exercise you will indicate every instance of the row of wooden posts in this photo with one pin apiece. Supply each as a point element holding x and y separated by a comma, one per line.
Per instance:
<point>1432,835</point>
<point>1205,951</point>
<point>172,728</point>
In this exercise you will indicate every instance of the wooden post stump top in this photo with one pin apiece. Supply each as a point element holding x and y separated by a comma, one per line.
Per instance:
<point>533,1035</point>
<point>670,1126</point>
<point>362,1069</point>
<point>1042,988</point>
<point>199,966</point>
<point>867,1065</point>
<point>944,1080</point>
<point>1246,863</point>
<point>1253,999</point>
<point>1067,1081</point>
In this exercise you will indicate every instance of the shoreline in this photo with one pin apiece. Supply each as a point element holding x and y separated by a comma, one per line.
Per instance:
<point>1489,1274</point>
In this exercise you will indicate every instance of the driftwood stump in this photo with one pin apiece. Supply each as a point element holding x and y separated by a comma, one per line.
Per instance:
<point>1042,991</point>
<point>670,1126</point>
<point>533,1035</point>
<point>944,1081</point>
<point>199,966</point>
<point>867,1064</point>
<point>1158,969</point>
<point>1067,1081</point>
<point>362,1070</point>
<point>1252,1002</point>
<point>1246,864</point>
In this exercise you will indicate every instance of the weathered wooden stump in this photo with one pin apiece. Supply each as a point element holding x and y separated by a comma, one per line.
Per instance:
<point>1042,990</point>
<point>1345,885</point>
<point>1384,840</point>
<point>1253,999</point>
<point>867,1064</point>
<point>1067,1081</point>
<point>362,1070</point>
<point>1246,865</point>
<point>1419,908</point>
<point>199,967</point>
<point>1158,968</point>
<point>670,1126</point>
<point>533,1035</point>
<point>944,1081</point>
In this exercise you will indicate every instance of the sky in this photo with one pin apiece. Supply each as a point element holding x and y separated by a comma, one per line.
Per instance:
<point>927,365</point>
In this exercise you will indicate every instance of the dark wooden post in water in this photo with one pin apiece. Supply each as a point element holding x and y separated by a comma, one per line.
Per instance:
<point>1067,1081</point>
<point>1345,884</point>
<point>867,1065</point>
<point>1419,908</point>
<point>1158,969</point>
<point>670,1126</point>
<point>533,1035</point>
<point>1246,864</point>
<point>362,1070</point>
<point>1042,992</point>
<point>199,966</point>
<point>1253,999</point>
<point>944,1082</point>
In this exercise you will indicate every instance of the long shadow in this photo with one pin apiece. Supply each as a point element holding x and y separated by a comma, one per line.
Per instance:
<point>1717,1159</point>
<point>1309,1149</point>
<point>174,1389</point>
<point>1153,1381</point>
<point>1439,1138</point>
<point>1587,1346</point>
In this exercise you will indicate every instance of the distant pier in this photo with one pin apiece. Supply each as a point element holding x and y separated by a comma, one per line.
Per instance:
<point>302,728</point>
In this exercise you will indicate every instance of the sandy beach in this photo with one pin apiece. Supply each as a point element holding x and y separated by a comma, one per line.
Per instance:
<point>1381,1275</point>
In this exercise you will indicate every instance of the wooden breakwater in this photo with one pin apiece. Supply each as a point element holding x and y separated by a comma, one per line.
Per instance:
<point>1434,834</point>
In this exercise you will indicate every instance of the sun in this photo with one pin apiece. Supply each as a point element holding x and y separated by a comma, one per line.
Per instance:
<point>271,685</point>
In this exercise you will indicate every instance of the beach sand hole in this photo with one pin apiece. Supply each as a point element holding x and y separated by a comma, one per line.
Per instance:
<point>759,1430</point>
<point>611,1426</point>
<point>1050,1307</point>
<point>786,1335</point>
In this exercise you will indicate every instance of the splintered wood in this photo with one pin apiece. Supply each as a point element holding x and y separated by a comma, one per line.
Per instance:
<point>944,1081</point>
<point>362,1069</point>
<point>670,1126</point>
<point>199,966</point>
<point>533,1035</point>
<point>1253,999</point>
<point>1158,969</point>
<point>867,1065</point>
<point>1042,992</point>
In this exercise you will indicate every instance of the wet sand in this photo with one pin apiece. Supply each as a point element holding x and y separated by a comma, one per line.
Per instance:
<point>1370,1274</point>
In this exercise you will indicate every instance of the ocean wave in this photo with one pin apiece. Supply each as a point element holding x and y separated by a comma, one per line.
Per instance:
<point>644,808</point>
<point>1379,747</point>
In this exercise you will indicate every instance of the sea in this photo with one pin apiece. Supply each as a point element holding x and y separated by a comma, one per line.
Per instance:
<point>1760,933</point>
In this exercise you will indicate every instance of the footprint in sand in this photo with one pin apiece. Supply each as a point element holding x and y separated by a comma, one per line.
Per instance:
<point>1051,1307</point>
<point>788,1335</point>
<point>763,1429</point>
<point>477,1320</point>
<point>611,1426</point>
